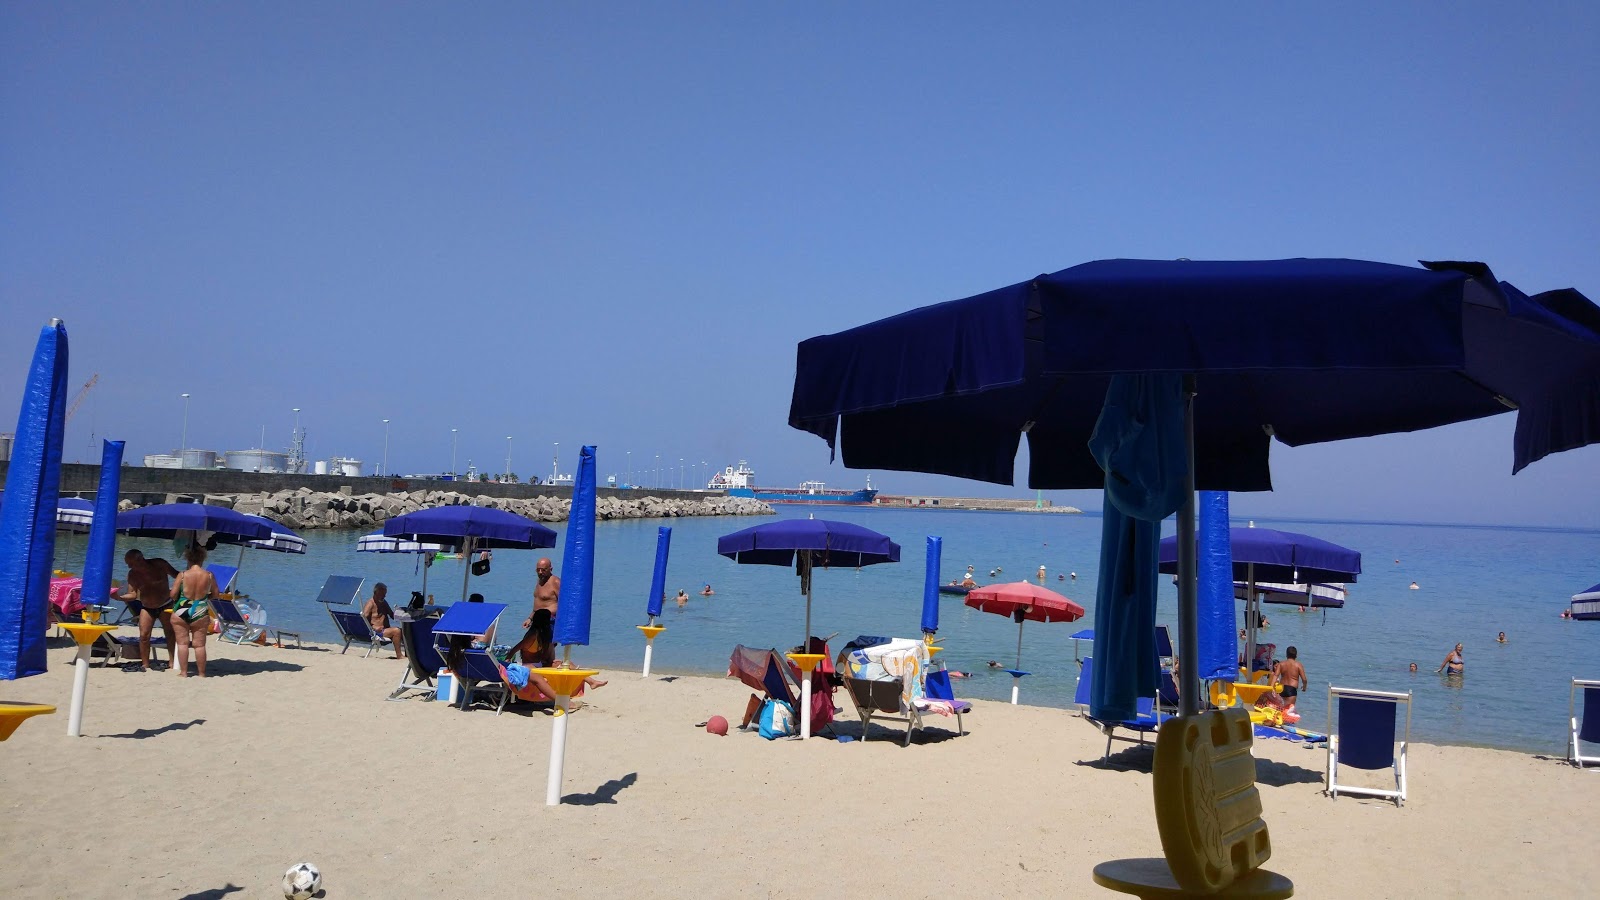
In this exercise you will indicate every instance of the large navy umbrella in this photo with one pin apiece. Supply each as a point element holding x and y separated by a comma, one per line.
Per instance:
<point>170,520</point>
<point>1304,350</point>
<point>1266,554</point>
<point>474,527</point>
<point>807,544</point>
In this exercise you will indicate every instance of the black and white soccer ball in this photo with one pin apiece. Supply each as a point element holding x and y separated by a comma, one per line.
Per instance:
<point>302,881</point>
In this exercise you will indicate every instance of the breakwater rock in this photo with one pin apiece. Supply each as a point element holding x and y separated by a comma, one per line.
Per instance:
<point>304,508</point>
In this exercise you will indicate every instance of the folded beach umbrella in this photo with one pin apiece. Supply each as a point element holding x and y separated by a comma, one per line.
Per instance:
<point>658,577</point>
<point>930,587</point>
<point>98,561</point>
<point>577,559</point>
<point>28,517</point>
<point>474,527</point>
<point>1023,601</point>
<point>1302,350</point>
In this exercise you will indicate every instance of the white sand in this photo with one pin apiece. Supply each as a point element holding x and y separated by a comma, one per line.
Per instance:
<point>200,787</point>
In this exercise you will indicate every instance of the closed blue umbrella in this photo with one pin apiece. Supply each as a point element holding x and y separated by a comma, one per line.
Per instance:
<point>474,527</point>
<point>28,517</point>
<point>930,587</point>
<point>577,560</point>
<point>1304,350</point>
<point>99,560</point>
<point>658,578</point>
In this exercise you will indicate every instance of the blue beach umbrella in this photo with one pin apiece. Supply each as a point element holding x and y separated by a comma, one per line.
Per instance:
<point>378,542</point>
<point>1302,350</point>
<point>807,544</point>
<point>76,515</point>
<point>930,587</point>
<point>98,561</point>
<point>201,522</point>
<point>474,527</point>
<point>27,519</point>
<point>658,578</point>
<point>577,559</point>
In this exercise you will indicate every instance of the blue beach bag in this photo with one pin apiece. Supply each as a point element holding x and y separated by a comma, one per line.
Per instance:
<point>776,719</point>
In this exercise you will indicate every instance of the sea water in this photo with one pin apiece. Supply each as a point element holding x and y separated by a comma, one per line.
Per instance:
<point>1472,582</point>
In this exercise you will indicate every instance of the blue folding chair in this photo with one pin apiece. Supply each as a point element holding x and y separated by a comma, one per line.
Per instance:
<point>1365,738</point>
<point>224,575</point>
<point>460,625</point>
<point>422,659</point>
<point>354,629</point>
<point>1145,721</point>
<point>937,686</point>
<point>1590,730</point>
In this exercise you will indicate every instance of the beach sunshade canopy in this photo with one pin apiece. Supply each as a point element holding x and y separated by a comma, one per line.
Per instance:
<point>1034,603</point>
<point>824,543</point>
<point>1318,596</point>
<point>281,540</point>
<point>468,618</point>
<point>168,520</point>
<point>1304,350</point>
<point>379,542</point>
<point>74,515</point>
<point>1278,556</point>
<point>488,528</point>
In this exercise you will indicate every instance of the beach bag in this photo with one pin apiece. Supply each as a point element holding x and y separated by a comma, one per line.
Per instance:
<point>480,567</point>
<point>776,720</point>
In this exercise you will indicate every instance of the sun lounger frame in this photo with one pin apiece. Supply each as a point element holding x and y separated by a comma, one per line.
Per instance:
<point>1332,786</point>
<point>1590,722</point>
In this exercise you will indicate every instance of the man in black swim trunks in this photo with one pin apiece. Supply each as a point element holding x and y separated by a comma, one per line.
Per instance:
<point>1291,675</point>
<point>147,581</point>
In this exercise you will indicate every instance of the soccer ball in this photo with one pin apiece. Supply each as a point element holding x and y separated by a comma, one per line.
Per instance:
<point>302,881</point>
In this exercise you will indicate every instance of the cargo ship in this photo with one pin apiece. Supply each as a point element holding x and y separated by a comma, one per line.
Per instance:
<point>739,481</point>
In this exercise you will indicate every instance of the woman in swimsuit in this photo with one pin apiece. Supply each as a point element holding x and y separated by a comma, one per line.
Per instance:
<point>537,649</point>
<point>1453,662</point>
<point>191,613</point>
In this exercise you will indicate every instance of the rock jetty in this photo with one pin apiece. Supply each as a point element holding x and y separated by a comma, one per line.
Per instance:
<point>304,508</point>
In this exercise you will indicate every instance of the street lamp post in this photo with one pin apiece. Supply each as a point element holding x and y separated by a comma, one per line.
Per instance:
<point>384,469</point>
<point>680,473</point>
<point>630,468</point>
<point>452,453</point>
<point>555,462</point>
<point>185,438</point>
<point>658,471</point>
<point>508,457</point>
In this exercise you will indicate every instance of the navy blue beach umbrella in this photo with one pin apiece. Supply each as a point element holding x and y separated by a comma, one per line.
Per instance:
<point>197,520</point>
<point>473,527</point>
<point>98,560</point>
<point>577,558</point>
<point>658,578</point>
<point>808,544</point>
<point>930,586</point>
<point>1301,350</point>
<point>28,516</point>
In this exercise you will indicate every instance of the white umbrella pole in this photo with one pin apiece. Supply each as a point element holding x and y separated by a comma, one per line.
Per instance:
<point>1251,617</point>
<point>1016,680</point>
<point>466,566</point>
<point>649,648</point>
<point>805,676</point>
<point>558,751</point>
<point>80,686</point>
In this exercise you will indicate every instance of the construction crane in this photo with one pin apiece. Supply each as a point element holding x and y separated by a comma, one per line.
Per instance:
<point>82,392</point>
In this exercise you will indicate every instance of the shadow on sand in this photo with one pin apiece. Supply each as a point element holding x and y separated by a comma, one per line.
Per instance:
<point>143,733</point>
<point>214,893</point>
<point>1277,774</point>
<point>219,668</point>
<point>605,793</point>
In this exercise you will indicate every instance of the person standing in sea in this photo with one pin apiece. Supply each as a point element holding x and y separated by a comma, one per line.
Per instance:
<point>1453,662</point>
<point>547,593</point>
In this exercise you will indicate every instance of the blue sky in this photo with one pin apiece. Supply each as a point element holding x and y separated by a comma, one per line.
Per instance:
<point>611,224</point>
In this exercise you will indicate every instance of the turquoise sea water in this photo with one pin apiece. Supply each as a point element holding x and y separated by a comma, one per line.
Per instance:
<point>1473,582</point>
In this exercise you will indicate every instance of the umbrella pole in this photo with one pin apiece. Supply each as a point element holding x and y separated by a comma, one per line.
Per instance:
<point>466,566</point>
<point>1188,598</point>
<point>1016,680</point>
<point>1251,617</point>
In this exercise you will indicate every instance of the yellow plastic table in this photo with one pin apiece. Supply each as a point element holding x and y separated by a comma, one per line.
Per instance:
<point>806,662</point>
<point>564,682</point>
<point>13,714</point>
<point>650,632</point>
<point>85,634</point>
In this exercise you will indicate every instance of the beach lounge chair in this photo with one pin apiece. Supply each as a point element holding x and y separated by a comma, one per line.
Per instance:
<point>477,670</point>
<point>422,659</point>
<point>114,648</point>
<point>888,680</point>
<point>235,626</point>
<point>1147,719</point>
<point>225,576</point>
<point>354,629</point>
<point>939,690</point>
<point>257,615</point>
<point>1362,734</point>
<point>1590,730</point>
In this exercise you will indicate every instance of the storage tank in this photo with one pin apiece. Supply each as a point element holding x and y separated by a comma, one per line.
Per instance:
<point>199,459</point>
<point>320,467</point>
<point>255,460</point>
<point>163,461</point>
<point>346,466</point>
<point>5,447</point>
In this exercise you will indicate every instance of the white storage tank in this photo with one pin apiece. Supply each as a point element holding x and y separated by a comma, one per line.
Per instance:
<point>255,460</point>
<point>5,447</point>
<point>346,466</point>
<point>320,467</point>
<point>199,459</point>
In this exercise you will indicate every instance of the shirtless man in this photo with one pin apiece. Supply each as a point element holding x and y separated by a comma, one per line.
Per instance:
<point>547,593</point>
<point>147,582</point>
<point>1291,675</point>
<point>377,612</point>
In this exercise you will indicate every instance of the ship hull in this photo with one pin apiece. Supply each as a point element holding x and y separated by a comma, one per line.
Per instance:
<point>777,495</point>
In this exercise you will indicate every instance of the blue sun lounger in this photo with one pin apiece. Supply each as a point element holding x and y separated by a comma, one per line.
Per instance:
<point>1146,722</point>
<point>1364,735</point>
<point>422,659</point>
<point>461,624</point>
<point>1586,729</point>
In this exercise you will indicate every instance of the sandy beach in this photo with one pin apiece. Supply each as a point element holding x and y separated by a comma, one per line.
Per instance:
<point>211,788</point>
